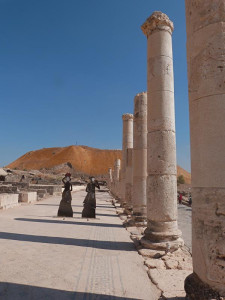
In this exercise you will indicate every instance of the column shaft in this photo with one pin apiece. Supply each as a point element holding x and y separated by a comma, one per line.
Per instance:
<point>116,178</point>
<point>127,144</point>
<point>140,158</point>
<point>110,180</point>
<point>161,158</point>
<point>206,73</point>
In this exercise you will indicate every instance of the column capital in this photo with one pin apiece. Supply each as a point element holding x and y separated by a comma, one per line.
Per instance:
<point>157,21</point>
<point>127,117</point>
<point>141,94</point>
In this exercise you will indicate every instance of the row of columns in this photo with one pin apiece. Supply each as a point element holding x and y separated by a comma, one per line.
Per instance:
<point>148,179</point>
<point>147,183</point>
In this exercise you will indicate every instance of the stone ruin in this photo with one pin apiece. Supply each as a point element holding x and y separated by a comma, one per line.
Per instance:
<point>16,189</point>
<point>145,182</point>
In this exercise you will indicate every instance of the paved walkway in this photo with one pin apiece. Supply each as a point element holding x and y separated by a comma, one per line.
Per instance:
<point>184,224</point>
<point>44,257</point>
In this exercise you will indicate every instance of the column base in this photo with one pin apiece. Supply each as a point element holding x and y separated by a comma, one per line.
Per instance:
<point>139,220</point>
<point>128,209</point>
<point>162,236</point>
<point>162,246</point>
<point>198,290</point>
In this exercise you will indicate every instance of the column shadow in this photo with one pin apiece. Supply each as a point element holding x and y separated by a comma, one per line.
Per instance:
<point>97,244</point>
<point>45,204</point>
<point>15,291</point>
<point>87,223</point>
<point>97,214</point>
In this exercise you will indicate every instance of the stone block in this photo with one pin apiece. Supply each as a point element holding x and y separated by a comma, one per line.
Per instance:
<point>161,44</point>
<point>151,253</point>
<point>9,200</point>
<point>158,188</point>
<point>209,140</point>
<point>152,263</point>
<point>28,197</point>
<point>8,189</point>
<point>170,282</point>
<point>162,153</point>
<point>160,74</point>
<point>161,112</point>
<point>171,264</point>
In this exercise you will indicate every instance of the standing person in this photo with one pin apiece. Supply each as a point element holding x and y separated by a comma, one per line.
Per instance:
<point>180,198</point>
<point>65,208</point>
<point>190,199</point>
<point>90,200</point>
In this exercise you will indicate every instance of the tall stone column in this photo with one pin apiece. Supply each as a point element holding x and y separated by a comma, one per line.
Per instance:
<point>206,73</point>
<point>117,170</point>
<point>162,231</point>
<point>116,178</point>
<point>129,181</point>
<point>140,159</point>
<point>110,180</point>
<point>127,144</point>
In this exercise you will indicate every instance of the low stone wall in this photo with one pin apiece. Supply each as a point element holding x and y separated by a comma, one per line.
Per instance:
<point>8,189</point>
<point>76,188</point>
<point>9,200</point>
<point>28,197</point>
<point>23,185</point>
<point>51,189</point>
<point>41,193</point>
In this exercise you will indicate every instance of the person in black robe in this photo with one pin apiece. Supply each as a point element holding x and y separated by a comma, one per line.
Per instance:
<point>90,200</point>
<point>65,208</point>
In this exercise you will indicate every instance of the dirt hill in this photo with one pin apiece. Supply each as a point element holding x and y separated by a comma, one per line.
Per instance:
<point>187,175</point>
<point>82,158</point>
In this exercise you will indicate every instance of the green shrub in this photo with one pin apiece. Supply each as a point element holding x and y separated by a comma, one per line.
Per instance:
<point>180,179</point>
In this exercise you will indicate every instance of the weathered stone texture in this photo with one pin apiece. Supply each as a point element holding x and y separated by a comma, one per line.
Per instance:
<point>8,200</point>
<point>140,157</point>
<point>28,197</point>
<point>206,73</point>
<point>129,179</point>
<point>161,157</point>
<point>127,144</point>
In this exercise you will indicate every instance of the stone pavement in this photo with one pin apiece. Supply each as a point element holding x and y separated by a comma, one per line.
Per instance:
<point>185,224</point>
<point>45,257</point>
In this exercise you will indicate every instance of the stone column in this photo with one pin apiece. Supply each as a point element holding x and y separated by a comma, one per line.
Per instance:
<point>110,178</point>
<point>206,73</point>
<point>117,169</point>
<point>162,231</point>
<point>129,181</point>
<point>127,144</point>
<point>116,178</point>
<point>140,159</point>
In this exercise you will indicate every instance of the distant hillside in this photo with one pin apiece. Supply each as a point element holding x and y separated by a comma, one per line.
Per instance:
<point>186,174</point>
<point>83,159</point>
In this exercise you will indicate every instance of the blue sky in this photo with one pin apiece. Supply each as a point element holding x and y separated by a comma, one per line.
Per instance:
<point>70,68</point>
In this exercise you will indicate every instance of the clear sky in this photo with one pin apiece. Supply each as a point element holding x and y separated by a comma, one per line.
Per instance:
<point>69,69</point>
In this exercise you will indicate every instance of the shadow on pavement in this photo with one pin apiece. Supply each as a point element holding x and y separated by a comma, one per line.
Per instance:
<point>104,206</point>
<point>10,291</point>
<point>107,245</point>
<point>87,223</point>
<point>97,214</point>
<point>57,205</point>
<point>186,208</point>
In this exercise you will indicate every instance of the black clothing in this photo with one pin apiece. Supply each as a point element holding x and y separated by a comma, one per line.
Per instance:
<point>90,200</point>
<point>65,208</point>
